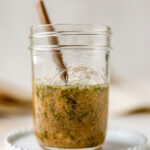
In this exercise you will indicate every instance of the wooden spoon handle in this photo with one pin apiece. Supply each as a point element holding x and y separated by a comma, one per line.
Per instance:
<point>41,10</point>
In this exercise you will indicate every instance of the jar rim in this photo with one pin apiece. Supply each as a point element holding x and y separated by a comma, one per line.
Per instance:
<point>75,28</point>
<point>70,35</point>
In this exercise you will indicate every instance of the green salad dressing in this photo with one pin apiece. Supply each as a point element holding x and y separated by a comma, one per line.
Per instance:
<point>70,116</point>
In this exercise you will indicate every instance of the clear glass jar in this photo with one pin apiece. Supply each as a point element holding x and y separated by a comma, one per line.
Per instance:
<point>70,69</point>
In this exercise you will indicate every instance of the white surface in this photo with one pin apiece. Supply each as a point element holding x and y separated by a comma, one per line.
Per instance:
<point>139,123</point>
<point>117,139</point>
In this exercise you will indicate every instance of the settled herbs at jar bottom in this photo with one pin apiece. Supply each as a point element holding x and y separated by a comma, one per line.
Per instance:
<point>70,116</point>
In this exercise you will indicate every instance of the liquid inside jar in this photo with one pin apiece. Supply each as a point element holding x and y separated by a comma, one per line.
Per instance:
<point>70,116</point>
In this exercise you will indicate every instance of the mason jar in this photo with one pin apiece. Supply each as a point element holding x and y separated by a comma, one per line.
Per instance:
<point>70,72</point>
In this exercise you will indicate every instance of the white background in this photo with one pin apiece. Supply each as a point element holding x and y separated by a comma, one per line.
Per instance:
<point>130,21</point>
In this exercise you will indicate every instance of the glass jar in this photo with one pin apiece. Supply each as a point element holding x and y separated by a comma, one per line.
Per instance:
<point>70,70</point>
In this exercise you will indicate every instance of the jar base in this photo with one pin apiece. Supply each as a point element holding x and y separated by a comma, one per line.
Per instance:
<point>54,148</point>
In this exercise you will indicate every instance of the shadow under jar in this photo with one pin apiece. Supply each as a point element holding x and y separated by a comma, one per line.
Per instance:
<point>70,112</point>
